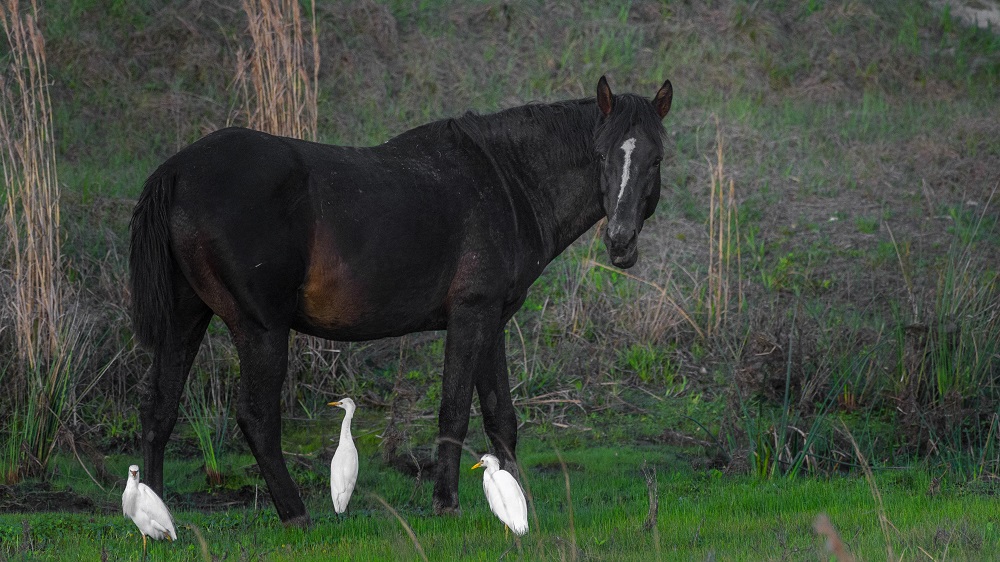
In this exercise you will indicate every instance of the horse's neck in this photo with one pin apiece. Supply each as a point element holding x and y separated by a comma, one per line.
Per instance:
<point>551,163</point>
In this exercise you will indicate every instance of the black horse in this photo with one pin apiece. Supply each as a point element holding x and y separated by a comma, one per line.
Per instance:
<point>443,227</point>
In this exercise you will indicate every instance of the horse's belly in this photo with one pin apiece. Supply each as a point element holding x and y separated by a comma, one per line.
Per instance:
<point>348,295</point>
<point>337,305</point>
<point>372,329</point>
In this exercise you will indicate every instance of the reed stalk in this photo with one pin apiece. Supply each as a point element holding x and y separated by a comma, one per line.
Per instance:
<point>47,340</point>
<point>31,192</point>
<point>278,76</point>
<point>724,241</point>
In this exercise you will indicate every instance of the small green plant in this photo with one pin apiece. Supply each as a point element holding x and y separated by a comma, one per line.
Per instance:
<point>791,438</point>
<point>651,364</point>
<point>39,408</point>
<point>867,225</point>
<point>793,272</point>
<point>11,456</point>
<point>967,227</point>
<point>965,338</point>
<point>207,412</point>
<point>957,353</point>
<point>909,30</point>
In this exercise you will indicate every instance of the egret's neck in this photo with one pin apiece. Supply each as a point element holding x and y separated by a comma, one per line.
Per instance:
<point>345,427</point>
<point>129,496</point>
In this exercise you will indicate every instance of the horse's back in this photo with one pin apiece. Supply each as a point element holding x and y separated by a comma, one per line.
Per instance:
<point>352,243</point>
<point>230,165</point>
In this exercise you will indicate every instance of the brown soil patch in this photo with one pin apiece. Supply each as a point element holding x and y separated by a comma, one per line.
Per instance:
<point>32,498</point>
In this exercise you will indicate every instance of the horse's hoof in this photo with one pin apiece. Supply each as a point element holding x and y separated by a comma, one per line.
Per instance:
<point>448,511</point>
<point>302,521</point>
<point>453,510</point>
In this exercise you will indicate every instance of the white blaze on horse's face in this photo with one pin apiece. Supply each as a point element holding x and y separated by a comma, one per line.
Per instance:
<point>630,183</point>
<point>627,146</point>
<point>634,126</point>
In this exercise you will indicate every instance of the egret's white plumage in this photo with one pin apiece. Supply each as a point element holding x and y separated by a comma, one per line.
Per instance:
<point>344,466</point>
<point>504,494</point>
<point>141,504</point>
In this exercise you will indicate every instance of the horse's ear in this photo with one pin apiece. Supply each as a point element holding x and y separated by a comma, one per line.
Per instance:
<point>663,98</point>
<point>605,99</point>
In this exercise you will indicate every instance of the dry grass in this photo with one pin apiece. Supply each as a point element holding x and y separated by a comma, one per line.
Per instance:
<point>724,239</point>
<point>883,519</point>
<point>32,194</point>
<point>834,544</point>
<point>404,524</point>
<point>47,337</point>
<point>278,87</point>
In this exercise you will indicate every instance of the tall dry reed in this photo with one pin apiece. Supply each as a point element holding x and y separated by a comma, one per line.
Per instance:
<point>31,216</point>
<point>724,241</point>
<point>278,76</point>
<point>47,340</point>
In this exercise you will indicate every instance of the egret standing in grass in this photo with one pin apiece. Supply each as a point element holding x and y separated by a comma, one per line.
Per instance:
<point>504,494</point>
<point>344,466</point>
<point>141,504</point>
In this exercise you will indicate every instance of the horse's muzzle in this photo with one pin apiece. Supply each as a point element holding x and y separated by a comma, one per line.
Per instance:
<point>622,243</point>
<point>626,258</point>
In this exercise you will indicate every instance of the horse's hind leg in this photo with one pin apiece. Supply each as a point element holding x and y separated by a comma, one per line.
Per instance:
<point>164,383</point>
<point>263,363</point>
<point>499,418</point>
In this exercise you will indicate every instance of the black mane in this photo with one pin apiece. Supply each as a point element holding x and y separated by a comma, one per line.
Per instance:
<point>578,125</point>
<point>571,122</point>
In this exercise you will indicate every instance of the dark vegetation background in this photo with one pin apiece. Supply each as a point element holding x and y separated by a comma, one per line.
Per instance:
<point>856,297</point>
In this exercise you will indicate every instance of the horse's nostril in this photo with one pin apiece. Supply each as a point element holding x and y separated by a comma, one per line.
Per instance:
<point>625,238</point>
<point>620,235</point>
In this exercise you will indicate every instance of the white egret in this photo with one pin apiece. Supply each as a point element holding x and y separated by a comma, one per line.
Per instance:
<point>505,495</point>
<point>344,466</point>
<point>141,504</point>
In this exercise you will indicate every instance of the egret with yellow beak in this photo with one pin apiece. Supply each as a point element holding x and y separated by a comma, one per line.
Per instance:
<point>141,504</point>
<point>344,466</point>
<point>504,494</point>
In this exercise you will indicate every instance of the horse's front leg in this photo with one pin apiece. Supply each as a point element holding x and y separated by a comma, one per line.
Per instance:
<point>469,350</point>
<point>499,418</point>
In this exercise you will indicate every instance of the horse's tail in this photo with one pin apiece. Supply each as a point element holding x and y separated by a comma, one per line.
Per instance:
<point>151,264</point>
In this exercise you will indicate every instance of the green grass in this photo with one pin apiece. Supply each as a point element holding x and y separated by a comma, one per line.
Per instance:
<point>701,515</point>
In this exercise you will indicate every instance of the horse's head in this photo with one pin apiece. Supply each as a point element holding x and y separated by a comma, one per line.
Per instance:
<point>629,144</point>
